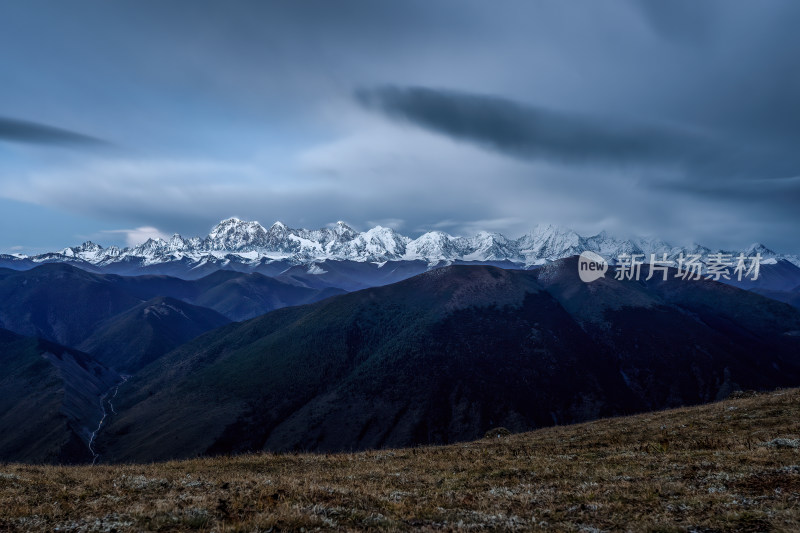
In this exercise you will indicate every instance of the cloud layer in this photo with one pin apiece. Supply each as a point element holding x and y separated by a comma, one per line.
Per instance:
<point>137,236</point>
<point>664,118</point>
<point>536,133</point>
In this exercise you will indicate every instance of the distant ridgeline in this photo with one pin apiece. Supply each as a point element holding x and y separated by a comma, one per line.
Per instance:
<point>341,257</point>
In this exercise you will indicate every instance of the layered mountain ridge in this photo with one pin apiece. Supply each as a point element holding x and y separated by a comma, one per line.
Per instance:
<point>448,354</point>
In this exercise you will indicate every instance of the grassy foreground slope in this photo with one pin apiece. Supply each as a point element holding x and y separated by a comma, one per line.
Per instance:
<point>727,466</point>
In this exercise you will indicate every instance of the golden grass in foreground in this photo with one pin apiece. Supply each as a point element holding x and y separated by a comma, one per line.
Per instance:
<point>701,469</point>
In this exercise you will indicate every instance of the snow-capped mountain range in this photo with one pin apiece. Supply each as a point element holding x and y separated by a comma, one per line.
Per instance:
<point>250,243</point>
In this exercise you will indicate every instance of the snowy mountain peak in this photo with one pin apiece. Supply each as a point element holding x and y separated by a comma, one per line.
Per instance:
<point>86,251</point>
<point>434,246</point>
<point>550,242</point>
<point>236,235</point>
<point>758,248</point>
<point>177,244</point>
<point>234,223</point>
<point>89,246</point>
<point>343,230</point>
<point>151,248</point>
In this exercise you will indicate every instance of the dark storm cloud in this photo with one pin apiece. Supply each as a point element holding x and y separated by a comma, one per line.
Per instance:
<point>23,131</point>
<point>782,196</point>
<point>741,75</point>
<point>530,132</point>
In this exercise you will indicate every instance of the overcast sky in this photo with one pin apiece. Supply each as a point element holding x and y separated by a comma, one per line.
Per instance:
<point>679,120</point>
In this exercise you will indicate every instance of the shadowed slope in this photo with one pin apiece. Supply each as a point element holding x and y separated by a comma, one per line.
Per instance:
<point>49,400</point>
<point>132,339</point>
<point>447,354</point>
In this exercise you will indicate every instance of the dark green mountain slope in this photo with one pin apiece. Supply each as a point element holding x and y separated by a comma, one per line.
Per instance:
<point>59,302</point>
<point>242,296</point>
<point>790,297</point>
<point>65,304</point>
<point>49,400</point>
<point>448,354</point>
<point>131,340</point>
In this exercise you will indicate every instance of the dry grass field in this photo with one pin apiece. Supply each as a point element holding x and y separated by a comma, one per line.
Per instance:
<point>728,466</point>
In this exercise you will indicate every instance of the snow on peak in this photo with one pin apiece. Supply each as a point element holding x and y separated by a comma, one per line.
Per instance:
<point>342,230</point>
<point>550,242</point>
<point>89,246</point>
<point>758,248</point>
<point>434,246</point>
<point>236,235</point>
